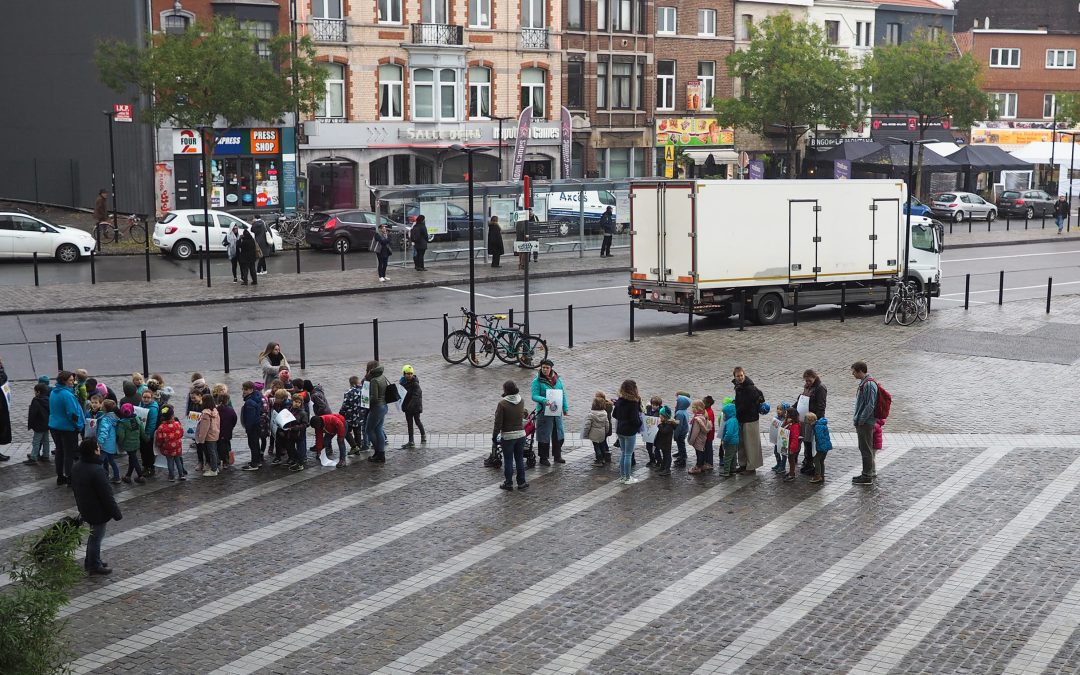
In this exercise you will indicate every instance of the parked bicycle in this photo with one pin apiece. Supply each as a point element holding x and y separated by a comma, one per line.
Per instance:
<point>481,338</point>
<point>291,228</point>
<point>136,229</point>
<point>907,304</point>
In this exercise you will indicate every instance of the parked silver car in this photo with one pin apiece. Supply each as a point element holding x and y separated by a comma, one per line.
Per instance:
<point>958,206</point>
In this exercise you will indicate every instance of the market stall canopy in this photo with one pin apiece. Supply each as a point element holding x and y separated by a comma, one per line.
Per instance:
<point>701,156</point>
<point>896,156</point>
<point>848,151</point>
<point>988,158</point>
<point>1040,152</point>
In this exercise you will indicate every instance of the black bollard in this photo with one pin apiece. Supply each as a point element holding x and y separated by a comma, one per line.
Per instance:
<point>445,327</point>
<point>298,257</point>
<point>303,349</point>
<point>1001,287</point>
<point>967,289</point>
<point>631,321</point>
<point>690,317</point>
<point>201,273</point>
<point>60,347</point>
<point>93,268</point>
<point>341,252</point>
<point>35,270</point>
<point>145,356</point>
<point>511,315</point>
<point>375,338</point>
<point>843,302</point>
<point>1049,288</point>
<point>225,346</point>
<point>570,325</point>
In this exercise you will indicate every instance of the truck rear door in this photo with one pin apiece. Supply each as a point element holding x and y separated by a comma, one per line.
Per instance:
<point>803,240</point>
<point>645,237</point>
<point>663,249</point>
<point>888,223</point>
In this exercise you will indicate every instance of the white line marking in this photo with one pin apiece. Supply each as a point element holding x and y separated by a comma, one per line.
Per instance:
<point>462,290</point>
<point>27,488</point>
<point>1003,257</point>
<point>894,648</point>
<point>574,290</point>
<point>622,628</point>
<point>257,591</point>
<point>973,302</point>
<point>1052,634</point>
<point>388,597</point>
<point>816,592</point>
<point>512,607</point>
<point>248,539</point>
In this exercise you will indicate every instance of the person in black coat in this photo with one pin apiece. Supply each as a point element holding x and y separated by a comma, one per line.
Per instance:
<point>412,404</point>
<point>818,395</point>
<point>607,225</point>
<point>94,498</point>
<point>495,241</point>
<point>5,415</point>
<point>748,400</point>
<point>37,420</point>
<point>418,235</point>
<point>246,256</point>
<point>258,232</point>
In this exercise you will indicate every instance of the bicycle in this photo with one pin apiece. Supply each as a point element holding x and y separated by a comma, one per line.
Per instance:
<point>455,347</point>
<point>137,228</point>
<point>291,228</point>
<point>102,231</point>
<point>510,344</point>
<point>907,305</point>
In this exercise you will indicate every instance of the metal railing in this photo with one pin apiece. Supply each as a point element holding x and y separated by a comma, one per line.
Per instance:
<point>328,30</point>
<point>534,38</point>
<point>437,34</point>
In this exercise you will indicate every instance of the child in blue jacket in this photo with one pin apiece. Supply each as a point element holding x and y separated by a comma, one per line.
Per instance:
<point>823,443</point>
<point>106,438</point>
<point>730,439</point>
<point>682,428</point>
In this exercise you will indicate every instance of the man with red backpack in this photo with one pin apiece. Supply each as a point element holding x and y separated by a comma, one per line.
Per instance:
<point>871,403</point>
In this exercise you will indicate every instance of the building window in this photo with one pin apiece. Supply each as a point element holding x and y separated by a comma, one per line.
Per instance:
<point>639,90</point>
<point>934,33</point>
<point>575,84</point>
<point>622,17</point>
<point>832,32</point>
<point>332,105</point>
<point>479,93</point>
<point>1061,58</point>
<point>665,85</point>
<point>747,24</point>
<point>433,11</point>
<point>429,99</point>
<point>601,84</point>
<point>423,98</point>
<point>389,11</point>
<point>1004,58</point>
<point>532,14</point>
<point>706,73</point>
<point>573,13</point>
<point>1005,105</point>
<point>326,9</point>
<point>391,92</point>
<point>621,85</point>
<point>1049,106</point>
<point>479,13</point>
<point>176,21</point>
<point>894,33</point>
<point>862,34</point>
<point>448,94</point>
<point>706,22</point>
<point>665,21</point>
<point>532,90</point>
<point>623,162</point>
<point>263,32</point>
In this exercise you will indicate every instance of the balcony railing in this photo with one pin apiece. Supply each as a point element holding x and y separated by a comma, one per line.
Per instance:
<point>534,38</point>
<point>436,34</point>
<point>328,30</point>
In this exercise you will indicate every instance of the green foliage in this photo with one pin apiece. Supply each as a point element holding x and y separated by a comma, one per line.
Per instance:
<point>196,77</point>
<point>1068,108</point>
<point>42,570</point>
<point>792,80</point>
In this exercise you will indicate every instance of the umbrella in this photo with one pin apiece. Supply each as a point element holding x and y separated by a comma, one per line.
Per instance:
<point>896,156</point>
<point>988,158</point>
<point>849,151</point>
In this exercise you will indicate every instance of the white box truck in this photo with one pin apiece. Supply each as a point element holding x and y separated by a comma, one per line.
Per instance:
<point>715,246</point>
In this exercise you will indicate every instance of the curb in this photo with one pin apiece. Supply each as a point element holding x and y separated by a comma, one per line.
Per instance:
<point>986,244</point>
<point>329,293</point>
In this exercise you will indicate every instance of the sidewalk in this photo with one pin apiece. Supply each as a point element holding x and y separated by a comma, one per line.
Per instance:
<point>1035,234</point>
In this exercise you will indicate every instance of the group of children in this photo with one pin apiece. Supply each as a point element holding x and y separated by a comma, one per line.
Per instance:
<point>788,434</point>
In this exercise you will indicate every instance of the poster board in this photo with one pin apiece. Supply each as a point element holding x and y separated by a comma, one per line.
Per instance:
<point>504,209</point>
<point>434,214</point>
<point>190,423</point>
<point>648,433</point>
<point>554,406</point>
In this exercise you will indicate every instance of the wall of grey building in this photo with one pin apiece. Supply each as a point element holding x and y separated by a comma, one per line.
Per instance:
<point>53,132</point>
<point>910,23</point>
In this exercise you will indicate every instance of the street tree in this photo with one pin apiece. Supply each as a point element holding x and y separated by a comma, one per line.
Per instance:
<point>212,74</point>
<point>792,80</point>
<point>928,79</point>
<point>1067,108</point>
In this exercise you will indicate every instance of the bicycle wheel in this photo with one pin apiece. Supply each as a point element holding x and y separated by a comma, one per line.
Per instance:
<point>455,347</point>
<point>907,313</point>
<point>137,233</point>
<point>506,347</point>
<point>481,351</point>
<point>531,350</point>
<point>924,307</point>
<point>890,311</point>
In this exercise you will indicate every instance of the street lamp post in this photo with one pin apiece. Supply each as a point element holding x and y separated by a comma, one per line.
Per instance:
<point>207,148</point>
<point>500,120</point>
<point>910,193</point>
<point>112,172</point>
<point>472,228</point>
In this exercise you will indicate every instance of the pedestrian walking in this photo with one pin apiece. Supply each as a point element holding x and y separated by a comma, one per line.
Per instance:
<point>627,414</point>
<point>418,235</point>
<point>607,226</point>
<point>377,402</point>
<point>1061,212</point>
<point>37,420</point>
<point>816,395</point>
<point>101,214</point>
<point>748,400</point>
<point>866,399</point>
<point>95,501</point>
<point>5,414</point>
<point>495,246</point>
<point>66,422</point>
<point>169,440</point>
<point>412,404</point>
<point>271,361</point>
<point>509,432</point>
<point>261,234</point>
<point>550,409</point>
<point>380,244</point>
<point>231,241</point>
<point>247,251</point>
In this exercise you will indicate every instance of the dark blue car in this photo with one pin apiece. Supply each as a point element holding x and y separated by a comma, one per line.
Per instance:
<point>918,208</point>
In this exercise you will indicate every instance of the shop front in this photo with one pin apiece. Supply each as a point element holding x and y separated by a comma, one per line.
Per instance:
<point>694,147</point>
<point>251,170</point>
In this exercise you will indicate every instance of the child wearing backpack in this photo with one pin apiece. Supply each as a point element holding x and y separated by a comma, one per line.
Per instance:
<point>37,420</point>
<point>129,434</point>
<point>665,433</point>
<point>699,431</point>
<point>682,417</point>
<point>823,444</point>
<point>169,439</point>
<point>730,439</point>
<point>106,438</point>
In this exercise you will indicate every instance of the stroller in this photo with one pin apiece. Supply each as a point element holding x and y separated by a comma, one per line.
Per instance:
<point>494,458</point>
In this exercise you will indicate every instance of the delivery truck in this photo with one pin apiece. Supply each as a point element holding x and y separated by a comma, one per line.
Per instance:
<point>723,246</point>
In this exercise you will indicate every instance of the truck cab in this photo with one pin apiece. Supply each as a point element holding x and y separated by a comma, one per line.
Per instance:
<point>924,263</point>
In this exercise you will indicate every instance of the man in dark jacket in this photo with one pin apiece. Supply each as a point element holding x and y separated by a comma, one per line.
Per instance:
<point>418,235</point>
<point>246,256</point>
<point>748,400</point>
<point>258,232</point>
<point>251,420</point>
<point>130,395</point>
<point>94,498</point>
<point>1061,212</point>
<point>607,224</point>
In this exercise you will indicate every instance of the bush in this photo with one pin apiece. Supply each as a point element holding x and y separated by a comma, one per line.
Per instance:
<point>42,571</point>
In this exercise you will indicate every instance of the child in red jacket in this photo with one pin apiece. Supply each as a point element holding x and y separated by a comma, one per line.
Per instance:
<point>169,439</point>
<point>790,430</point>
<point>330,426</point>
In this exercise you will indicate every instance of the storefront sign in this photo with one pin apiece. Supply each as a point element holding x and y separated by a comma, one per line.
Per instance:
<point>907,123</point>
<point>564,142</point>
<point>842,169</point>
<point>814,142</point>
<point>265,142</point>
<point>122,112</point>
<point>1010,136</point>
<point>414,134</point>
<point>693,95</point>
<point>692,131</point>
<point>230,142</point>
<point>757,169</point>
<point>524,122</point>
<point>163,180</point>
<point>536,133</point>
<point>186,142</point>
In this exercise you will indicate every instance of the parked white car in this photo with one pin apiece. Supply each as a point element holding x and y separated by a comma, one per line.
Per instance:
<point>183,233</point>
<point>22,235</point>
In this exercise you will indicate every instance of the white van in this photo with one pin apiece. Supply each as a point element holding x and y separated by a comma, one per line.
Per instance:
<point>564,208</point>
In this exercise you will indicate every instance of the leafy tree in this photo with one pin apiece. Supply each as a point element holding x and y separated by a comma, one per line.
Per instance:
<point>928,79</point>
<point>793,80</point>
<point>42,570</point>
<point>1067,107</point>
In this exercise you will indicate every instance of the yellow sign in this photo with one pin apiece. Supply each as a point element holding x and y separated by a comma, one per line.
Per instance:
<point>1009,136</point>
<point>669,169</point>
<point>669,153</point>
<point>692,131</point>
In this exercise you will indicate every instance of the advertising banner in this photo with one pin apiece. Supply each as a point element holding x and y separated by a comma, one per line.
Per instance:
<point>692,131</point>
<point>757,169</point>
<point>842,169</point>
<point>522,143</point>
<point>564,142</point>
<point>693,95</point>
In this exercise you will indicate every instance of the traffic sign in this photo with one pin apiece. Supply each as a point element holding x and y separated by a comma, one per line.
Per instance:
<point>122,112</point>
<point>526,247</point>
<point>669,153</point>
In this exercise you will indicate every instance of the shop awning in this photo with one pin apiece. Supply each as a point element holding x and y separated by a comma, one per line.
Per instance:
<point>719,155</point>
<point>988,158</point>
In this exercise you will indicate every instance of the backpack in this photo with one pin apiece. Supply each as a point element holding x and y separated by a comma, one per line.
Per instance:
<point>318,401</point>
<point>392,393</point>
<point>884,402</point>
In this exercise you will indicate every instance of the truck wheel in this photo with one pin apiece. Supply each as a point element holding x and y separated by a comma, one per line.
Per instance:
<point>768,309</point>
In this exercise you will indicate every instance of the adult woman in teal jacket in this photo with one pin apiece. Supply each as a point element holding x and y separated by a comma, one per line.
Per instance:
<point>66,421</point>
<point>549,428</point>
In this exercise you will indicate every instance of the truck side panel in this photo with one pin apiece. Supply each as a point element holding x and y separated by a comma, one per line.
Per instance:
<point>645,232</point>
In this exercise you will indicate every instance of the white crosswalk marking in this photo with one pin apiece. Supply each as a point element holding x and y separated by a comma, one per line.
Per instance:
<point>279,582</point>
<point>760,635</point>
<point>494,617</point>
<point>1051,635</point>
<point>892,650</point>
<point>27,488</point>
<point>248,539</point>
